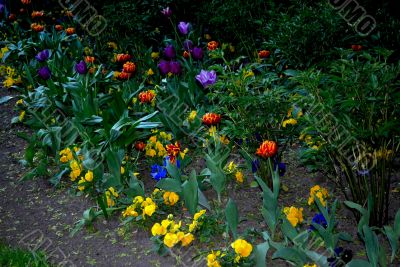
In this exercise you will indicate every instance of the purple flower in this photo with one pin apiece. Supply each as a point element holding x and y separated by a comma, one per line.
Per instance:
<point>187,45</point>
<point>164,67</point>
<point>197,53</point>
<point>81,67</point>
<point>158,172</point>
<point>318,219</point>
<point>43,55</point>
<point>281,168</point>
<point>1,8</point>
<point>44,73</point>
<point>207,78</point>
<point>175,67</point>
<point>167,12</point>
<point>169,51</point>
<point>184,27</point>
<point>255,165</point>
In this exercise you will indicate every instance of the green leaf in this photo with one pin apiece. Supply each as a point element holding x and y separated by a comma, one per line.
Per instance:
<point>358,263</point>
<point>232,216</point>
<point>102,200</point>
<point>260,254</point>
<point>169,184</point>
<point>190,193</point>
<point>290,254</point>
<point>203,200</point>
<point>55,180</point>
<point>5,99</point>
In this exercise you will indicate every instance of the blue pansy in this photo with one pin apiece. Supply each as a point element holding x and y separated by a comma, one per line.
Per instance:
<point>158,172</point>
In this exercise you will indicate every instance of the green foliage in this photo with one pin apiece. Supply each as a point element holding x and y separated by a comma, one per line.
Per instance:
<point>11,257</point>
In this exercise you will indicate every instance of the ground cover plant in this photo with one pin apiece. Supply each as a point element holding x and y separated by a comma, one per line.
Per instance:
<point>186,130</point>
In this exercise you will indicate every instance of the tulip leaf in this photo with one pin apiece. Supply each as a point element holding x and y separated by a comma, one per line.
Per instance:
<point>232,217</point>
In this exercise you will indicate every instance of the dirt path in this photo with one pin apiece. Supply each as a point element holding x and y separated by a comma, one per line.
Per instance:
<point>35,215</point>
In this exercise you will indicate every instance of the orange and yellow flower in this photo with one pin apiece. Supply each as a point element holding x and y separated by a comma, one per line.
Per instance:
<point>129,67</point>
<point>211,119</point>
<point>267,149</point>
<point>147,96</point>
<point>264,53</point>
<point>212,45</point>
<point>70,31</point>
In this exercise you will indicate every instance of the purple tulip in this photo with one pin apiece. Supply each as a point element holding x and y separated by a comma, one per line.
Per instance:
<point>44,73</point>
<point>207,78</point>
<point>81,67</point>
<point>167,12</point>
<point>43,55</point>
<point>2,8</point>
<point>187,45</point>
<point>164,67</point>
<point>184,27</point>
<point>169,51</point>
<point>197,53</point>
<point>175,67</point>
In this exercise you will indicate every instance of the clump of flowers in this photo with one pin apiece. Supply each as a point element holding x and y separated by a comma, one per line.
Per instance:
<point>155,144</point>
<point>318,192</point>
<point>170,198</point>
<point>290,121</point>
<point>232,169</point>
<point>294,215</point>
<point>140,208</point>
<point>174,150</point>
<point>242,249</point>
<point>240,256</point>
<point>111,196</point>
<point>267,149</point>
<point>11,76</point>
<point>171,233</point>
<point>212,259</point>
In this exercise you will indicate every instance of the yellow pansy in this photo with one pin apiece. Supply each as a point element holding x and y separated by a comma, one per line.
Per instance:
<point>242,247</point>
<point>170,240</point>
<point>89,176</point>
<point>158,229</point>
<point>294,215</point>
<point>239,177</point>
<point>170,198</point>
<point>290,121</point>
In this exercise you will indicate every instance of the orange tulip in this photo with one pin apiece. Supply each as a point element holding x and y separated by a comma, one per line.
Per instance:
<point>186,54</point>
<point>59,27</point>
<point>173,151</point>
<point>264,54</point>
<point>267,149</point>
<point>129,67</point>
<point>140,146</point>
<point>37,14</point>
<point>89,59</point>
<point>70,31</point>
<point>147,96</point>
<point>212,45</point>
<point>356,47</point>
<point>211,119</point>
<point>123,57</point>
<point>37,27</point>
<point>124,76</point>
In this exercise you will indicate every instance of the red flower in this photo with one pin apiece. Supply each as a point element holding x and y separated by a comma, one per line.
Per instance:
<point>140,146</point>
<point>129,67</point>
<point>70,31</point>
<point>264,53</point>
<point>89,59</point>
<point>37,14</point>
<point>211,119</point>
<point>123,57</point>
<point>12,17</point>
<point>173,151</point>
<point>147,96</point>
<point>356,47</point>
<point>212,45</point>
<point>124,76</point>
<point>59,27</point>
<point>37,27</point>
<point>267,149</point>
<point>186,54</point>
<point>26,2</point>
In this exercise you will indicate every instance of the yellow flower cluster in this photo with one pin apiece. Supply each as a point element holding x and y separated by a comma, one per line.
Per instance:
<point>155,146</point>
<point>232,168</point>
<point>76,169</point>
<point>212,132</point>
<point>170,198</point>
<point>11,76</point>
<point>314,144</point>
<point>111,195</point>
<point>383,154</point>
<point>212,259</point>
<point>310,265</point>
<point>172,232</point>
<point>192,116</point>
<point>318,192</point>
<point>242,249</point>
<point>294,215</point>
<point>86,179</point>
<point>141,206</point>
<point>290,121</point>
<point>197,220</point>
